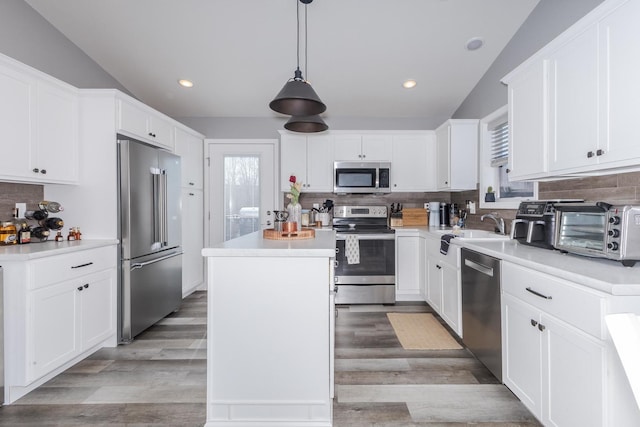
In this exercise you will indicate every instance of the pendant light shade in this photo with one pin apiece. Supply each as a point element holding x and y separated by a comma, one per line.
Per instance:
<point>306,124</point>
<point>297,98</point>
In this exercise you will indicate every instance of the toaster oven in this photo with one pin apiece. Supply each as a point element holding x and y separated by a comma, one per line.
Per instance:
<point>601,230</point>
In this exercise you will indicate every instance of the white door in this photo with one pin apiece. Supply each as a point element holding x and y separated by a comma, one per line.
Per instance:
<point>242,187</point>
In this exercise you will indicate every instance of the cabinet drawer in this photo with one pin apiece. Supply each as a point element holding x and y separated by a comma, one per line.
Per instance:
<point>567,301</point>
<point>58,268</point>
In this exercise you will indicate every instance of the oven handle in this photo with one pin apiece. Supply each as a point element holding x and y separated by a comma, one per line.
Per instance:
<point>387,236</point>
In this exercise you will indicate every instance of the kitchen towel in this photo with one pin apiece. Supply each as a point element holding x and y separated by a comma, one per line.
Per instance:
<point>444,243</point>
<point>352,249</point>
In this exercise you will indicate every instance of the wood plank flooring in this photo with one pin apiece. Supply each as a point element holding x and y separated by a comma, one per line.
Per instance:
<point>159,380</point>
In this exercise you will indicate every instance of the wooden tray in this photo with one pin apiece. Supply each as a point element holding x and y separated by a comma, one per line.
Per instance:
<point>305,233</point>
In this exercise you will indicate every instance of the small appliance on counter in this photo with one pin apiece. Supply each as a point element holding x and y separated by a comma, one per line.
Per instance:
<point>600,230</point>
<point>535,222</point>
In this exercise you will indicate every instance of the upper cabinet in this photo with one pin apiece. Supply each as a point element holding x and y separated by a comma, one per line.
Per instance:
<point>39,124</point>
<point>572,105</point>
<point>362,147</point>
<point>139,121</point>
<point>457,155</point>
<point>190,148</point>
<point>413,162</point>
<point>309,158</point>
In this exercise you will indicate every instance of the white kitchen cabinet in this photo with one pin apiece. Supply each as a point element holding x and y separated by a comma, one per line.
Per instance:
<point>413,162</point>
<point>192,239</point>
<point>410,267</point>
<point>40,126</point>
<point>58,310</point>
<point>571,105</point>
<point>190,148</point>
<point>140,121</point>
<point>443,284</point>
<point>309,158</point>
<point>551,363</point>
<point>363,147</point>
<point>457,155</point>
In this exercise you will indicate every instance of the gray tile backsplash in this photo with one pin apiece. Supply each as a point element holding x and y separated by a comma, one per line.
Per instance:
<point>12,193</point>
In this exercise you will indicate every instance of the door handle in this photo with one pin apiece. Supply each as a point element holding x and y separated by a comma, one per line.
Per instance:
<point>538,294</point>
<point>488,271</point>
<point>138,265</point>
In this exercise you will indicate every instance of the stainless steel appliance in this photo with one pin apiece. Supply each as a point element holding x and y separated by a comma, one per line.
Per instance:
<point>481,330</point>
<point>149,230</point>
<point>361,177</point>
<point>601,230</point>
<point>2,334</point>
<point>372,279</point>
<point>535,222</point>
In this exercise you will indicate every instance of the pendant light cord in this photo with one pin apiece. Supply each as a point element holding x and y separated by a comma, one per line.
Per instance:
<point>306,69</point>
<point>298,34</point>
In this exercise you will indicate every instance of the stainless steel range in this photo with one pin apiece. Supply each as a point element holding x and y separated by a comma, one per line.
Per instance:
<point>365,255</point>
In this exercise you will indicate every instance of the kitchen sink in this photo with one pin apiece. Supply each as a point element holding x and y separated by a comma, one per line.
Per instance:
<point>472,234</point>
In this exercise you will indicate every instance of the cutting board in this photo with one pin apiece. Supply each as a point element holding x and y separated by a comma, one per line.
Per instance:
<point>414,216</point>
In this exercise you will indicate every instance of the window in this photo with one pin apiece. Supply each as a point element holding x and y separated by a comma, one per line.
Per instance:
<point>494,160</point>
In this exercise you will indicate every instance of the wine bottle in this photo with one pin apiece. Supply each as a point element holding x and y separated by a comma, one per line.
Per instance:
<point>53,223</point>
<point>38,215</point>
<point>40,233</point>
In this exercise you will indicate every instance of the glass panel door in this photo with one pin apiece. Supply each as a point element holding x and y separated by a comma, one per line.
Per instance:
<point>241,195</point>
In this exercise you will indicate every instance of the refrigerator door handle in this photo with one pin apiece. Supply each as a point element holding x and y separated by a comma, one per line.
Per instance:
<point>138,265</point>
<point>164,232</point>
<point>156,206</point>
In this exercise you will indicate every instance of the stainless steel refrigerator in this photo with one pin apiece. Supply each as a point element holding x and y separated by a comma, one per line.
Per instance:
<point>149,224</point>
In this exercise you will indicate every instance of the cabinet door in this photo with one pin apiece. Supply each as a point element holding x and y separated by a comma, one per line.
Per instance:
<point>414,163</point>
<point>132,119</point>
<point>451,297</point>
<point>347,147</point>
<point>434,287</point>
<point>293,160</point>
<point>190,148</point>
<point>319,163</point>
<point>463,154</point>
<point>192,240</point>
<point>55,153</point>
<point>377,148</point>
<point>53,328</point>
<point>620,88</point>
<point>160,130</point>
<point>573,103</point>
<point>97,309</point>
<point>527,135</point>
<point>410,253</point>
<point>574,368</point>
<point>521,347</point>
<point>443,158</point>
<point>16,113</point>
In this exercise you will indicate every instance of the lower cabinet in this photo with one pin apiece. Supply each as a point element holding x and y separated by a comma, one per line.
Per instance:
<point>410,273</point>
<point>192,240</point>
<point>443,284</point>
<point>58,309</point>
<point>555,369</point>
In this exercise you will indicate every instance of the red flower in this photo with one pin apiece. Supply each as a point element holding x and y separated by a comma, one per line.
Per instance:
<point>292,179</point>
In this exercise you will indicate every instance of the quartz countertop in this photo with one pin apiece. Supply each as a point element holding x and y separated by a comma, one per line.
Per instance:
<point>50,248</point>
<point>254,245</point>
<point>600,274</point>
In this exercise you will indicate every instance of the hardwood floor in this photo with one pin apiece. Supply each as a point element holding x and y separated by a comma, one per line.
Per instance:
<point>159,380</point>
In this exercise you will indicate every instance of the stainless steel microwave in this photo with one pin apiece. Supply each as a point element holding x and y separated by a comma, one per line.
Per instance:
<point>361,177</point>
<point>601,230</point>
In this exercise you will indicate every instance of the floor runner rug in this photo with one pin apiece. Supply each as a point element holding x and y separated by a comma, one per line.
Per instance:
<point>421,331</point>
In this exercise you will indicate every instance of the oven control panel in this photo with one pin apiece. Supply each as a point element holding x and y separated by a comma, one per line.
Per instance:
<point>360,212</point>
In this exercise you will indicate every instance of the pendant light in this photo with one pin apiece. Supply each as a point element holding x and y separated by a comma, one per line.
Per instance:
<point>306,124</point>
<point>297,97</point>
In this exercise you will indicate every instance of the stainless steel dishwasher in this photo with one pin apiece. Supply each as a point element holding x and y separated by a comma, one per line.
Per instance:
<point>481,331</point>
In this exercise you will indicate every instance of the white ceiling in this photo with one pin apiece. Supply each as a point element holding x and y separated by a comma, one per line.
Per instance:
<point>239,53</point>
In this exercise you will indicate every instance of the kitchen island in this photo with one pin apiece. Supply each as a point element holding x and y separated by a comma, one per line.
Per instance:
<point>270,331</point>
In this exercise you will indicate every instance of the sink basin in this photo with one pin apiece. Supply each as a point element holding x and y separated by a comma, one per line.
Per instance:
<point>471,234</point>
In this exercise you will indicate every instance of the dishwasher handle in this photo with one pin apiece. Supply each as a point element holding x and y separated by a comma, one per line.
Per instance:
<point>487,271</point>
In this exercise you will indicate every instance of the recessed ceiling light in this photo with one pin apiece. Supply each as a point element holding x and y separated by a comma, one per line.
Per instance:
<point>409,84</point>
<point>474,43</point>
<point>185,83</point>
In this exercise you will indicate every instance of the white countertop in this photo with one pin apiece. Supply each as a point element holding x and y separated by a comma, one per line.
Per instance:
<point>254,245</point>
<point>49,248</point>
<point>600,274</point>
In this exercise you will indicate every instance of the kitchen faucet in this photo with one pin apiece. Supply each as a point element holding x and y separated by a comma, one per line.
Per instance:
<point>498,220</point>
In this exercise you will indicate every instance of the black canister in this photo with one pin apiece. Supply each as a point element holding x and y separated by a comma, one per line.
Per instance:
<point>444,215</point>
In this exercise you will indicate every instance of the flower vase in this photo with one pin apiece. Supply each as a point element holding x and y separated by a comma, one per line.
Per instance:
<point>295,214</point>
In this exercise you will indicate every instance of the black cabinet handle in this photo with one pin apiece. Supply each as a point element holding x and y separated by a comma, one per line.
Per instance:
<point>82,265</point>
<point>80,288</point>
<point>36,170</point>
<point>590,154</point>
<point>534,323</point>
<point>86,285</point>
<point>599,152</point>
<point>538,294</point>
<point>43,171</point>
<point>541,327</point>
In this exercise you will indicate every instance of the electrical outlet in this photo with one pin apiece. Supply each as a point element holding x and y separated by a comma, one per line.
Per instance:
<point>21,208</point>
<point>472,207</point>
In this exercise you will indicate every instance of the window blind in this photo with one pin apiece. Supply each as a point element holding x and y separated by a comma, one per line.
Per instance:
<point>500,144</point>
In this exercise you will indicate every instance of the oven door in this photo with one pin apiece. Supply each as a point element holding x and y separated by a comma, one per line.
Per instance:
<point>377,260</point>
<point>581,230</point>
